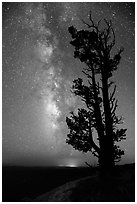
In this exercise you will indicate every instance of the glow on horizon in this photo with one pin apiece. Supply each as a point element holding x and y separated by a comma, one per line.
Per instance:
<point>70,163</point>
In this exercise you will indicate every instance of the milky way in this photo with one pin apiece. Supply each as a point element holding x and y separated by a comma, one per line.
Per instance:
<point>38,70</point>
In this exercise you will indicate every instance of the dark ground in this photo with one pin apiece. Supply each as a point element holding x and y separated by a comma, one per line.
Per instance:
<point>29,182</point>
<point>26,183</point>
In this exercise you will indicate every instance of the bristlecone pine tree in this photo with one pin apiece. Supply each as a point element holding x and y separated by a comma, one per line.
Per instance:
<point>94,47</point>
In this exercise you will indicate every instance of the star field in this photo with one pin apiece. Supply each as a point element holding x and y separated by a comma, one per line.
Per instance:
<point>38,68</point>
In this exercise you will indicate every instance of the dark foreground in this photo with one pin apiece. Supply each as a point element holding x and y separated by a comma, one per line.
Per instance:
<point>24,183</point>
<point>29,183</point>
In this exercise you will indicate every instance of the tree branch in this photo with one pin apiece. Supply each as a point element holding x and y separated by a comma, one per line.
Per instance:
<point>112,94</point>
<point>114,108</point>
<point>88,165</point>
<point>88,75</point>
<point>96,148</point>
<point>92,23</point>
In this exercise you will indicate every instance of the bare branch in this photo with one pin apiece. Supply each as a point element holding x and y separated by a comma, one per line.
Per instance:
<point>90,17</point>
<point>89,26</point>
<point>111,96</point>
<point>92,23</point>
<point>98,23</point>
<point>88,165</point>
<point>88,75</point>
<point>95,154</point>
<point>115,106</point>
<point>112,103</point>
<point>90,83</point>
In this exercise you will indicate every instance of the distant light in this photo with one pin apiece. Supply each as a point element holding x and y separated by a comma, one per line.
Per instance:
<point>71,165</point>
<point>69,162</point>
<point>68,165</point>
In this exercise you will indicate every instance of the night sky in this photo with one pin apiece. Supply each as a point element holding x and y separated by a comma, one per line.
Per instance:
<point>38,68</point>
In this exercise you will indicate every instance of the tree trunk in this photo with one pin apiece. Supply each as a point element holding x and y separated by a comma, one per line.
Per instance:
<point>106,160</point>
<point>107,144</point>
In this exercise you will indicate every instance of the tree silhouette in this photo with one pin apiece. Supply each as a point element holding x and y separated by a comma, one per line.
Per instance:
<point>94,47</point>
